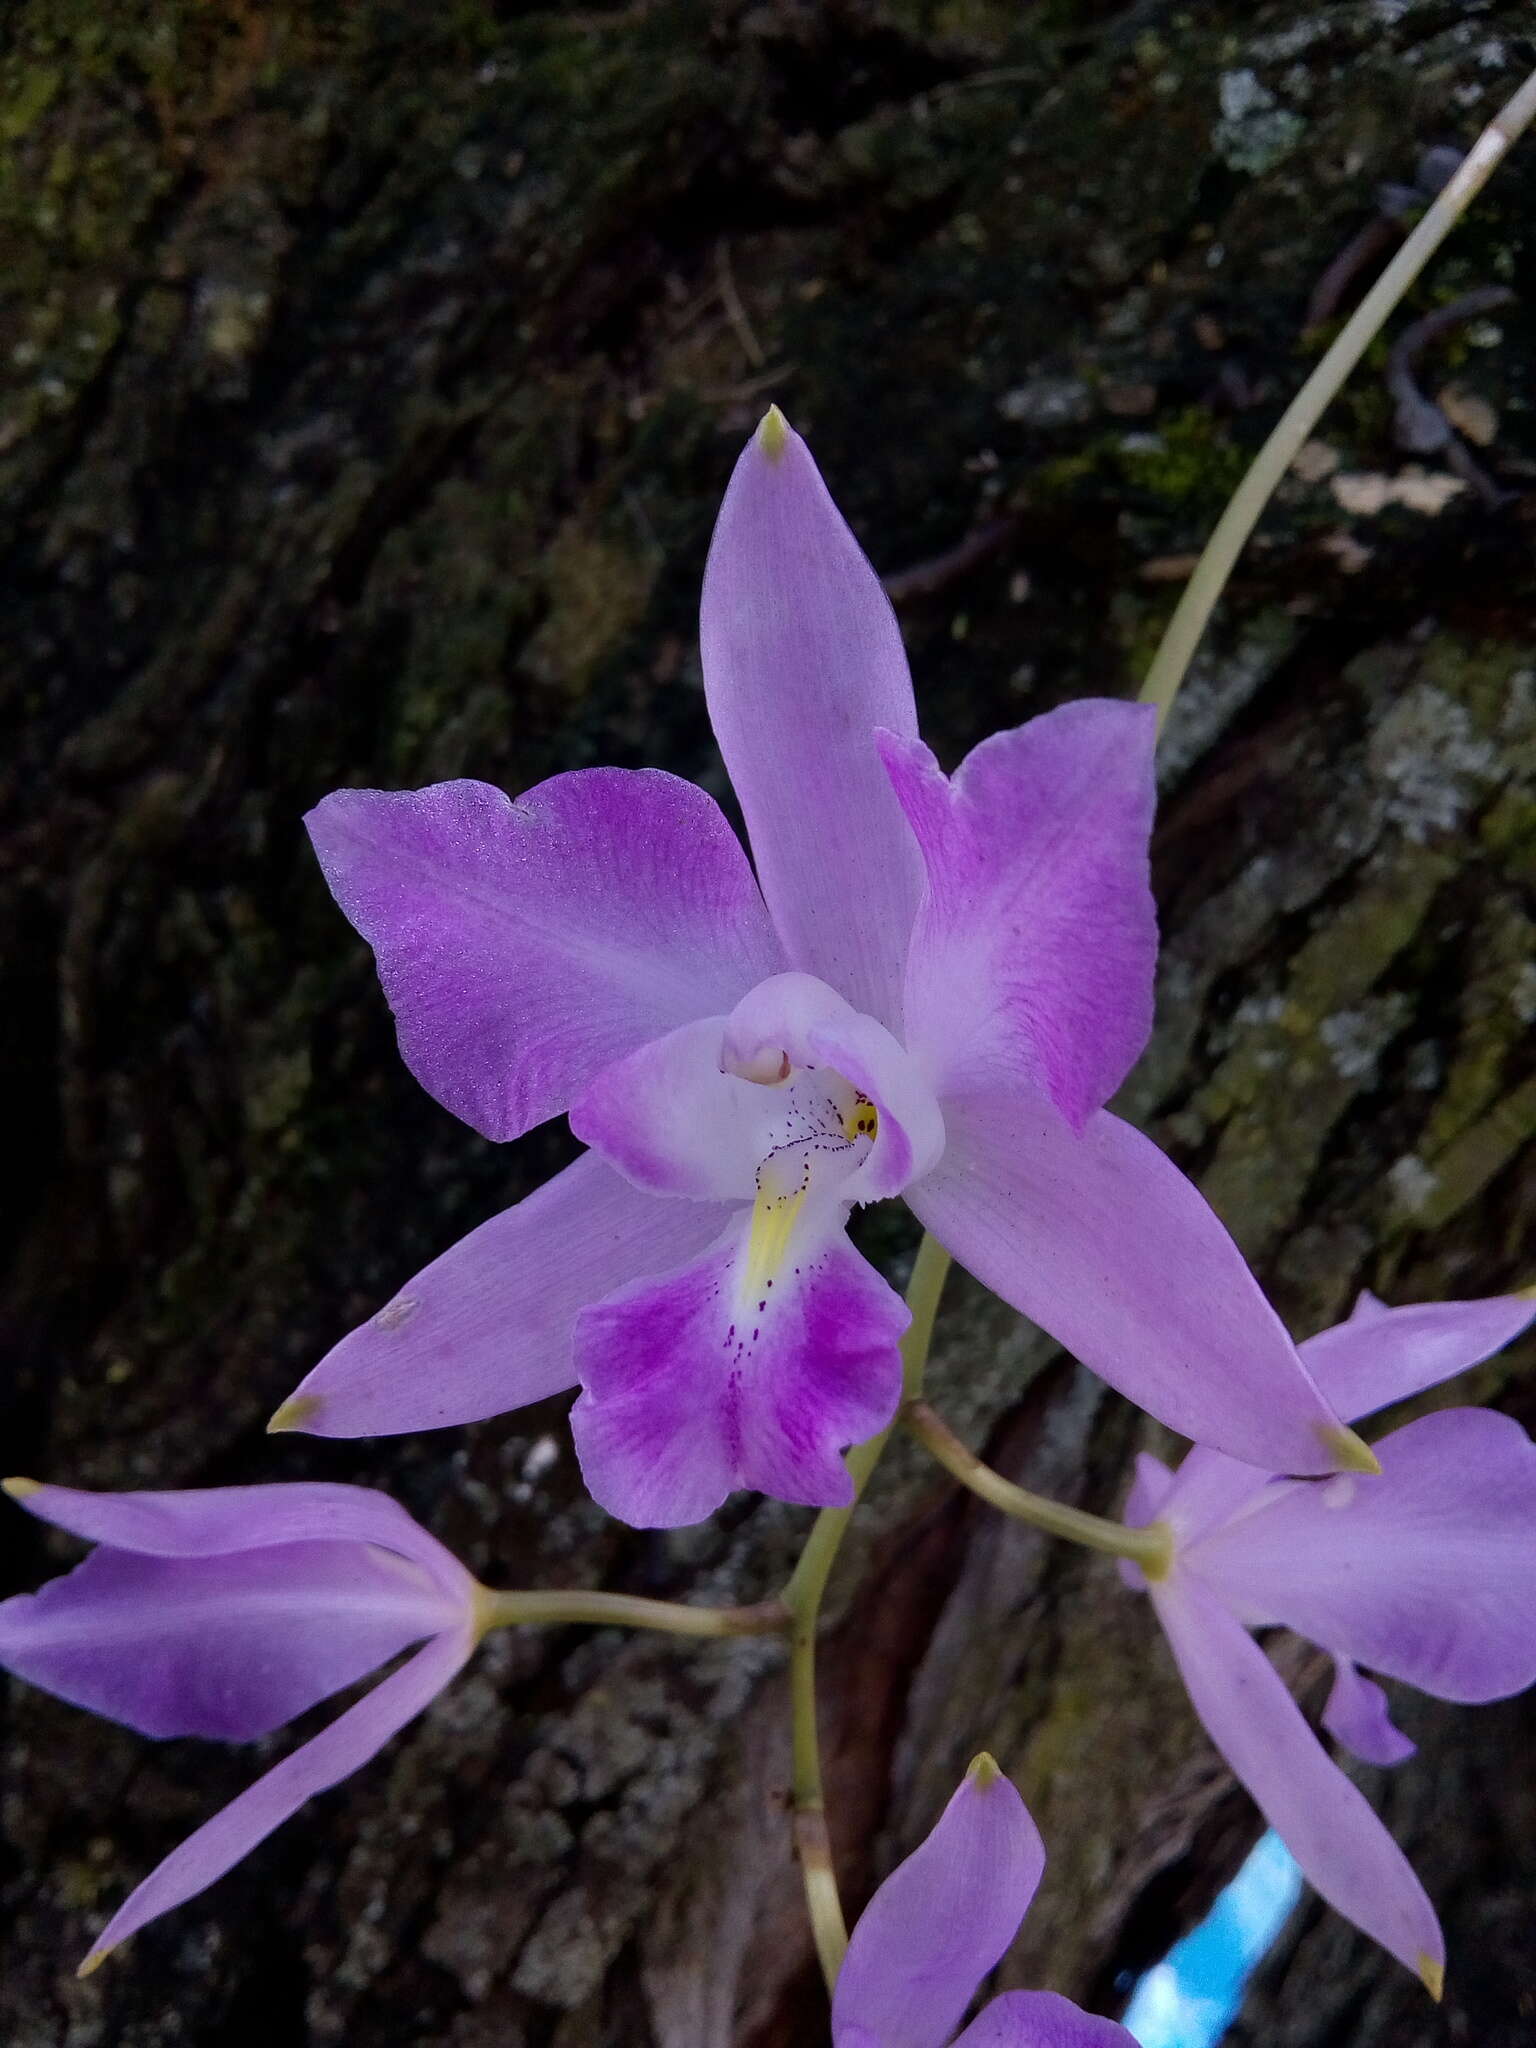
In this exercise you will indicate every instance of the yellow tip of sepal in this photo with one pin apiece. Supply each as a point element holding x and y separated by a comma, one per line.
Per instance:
<point>985,1770</point>
<point>1350,1453</point>
<point>295,1413</point>
<point>1433,1977</point>
<point>773,433</point>
<point>22,1489</point>
<point>93,1962</point>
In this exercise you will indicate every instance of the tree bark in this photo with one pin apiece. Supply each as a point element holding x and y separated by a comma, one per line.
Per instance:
<point>373,376</point>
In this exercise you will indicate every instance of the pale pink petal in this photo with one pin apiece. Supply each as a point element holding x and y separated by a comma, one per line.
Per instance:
<point>802,662</point>
<point>330,1756</point>
<point>1324,1820</point>
<point>672,1123</point>
<point>697,1112</point>
<point>816,1028</point>
<point>1032,957</point>
<point>487,1326</point>
<point>726,1375</point>
<point>226,1647</point>
<point>1041,2019</point>
<point>1381,1354</point>
<point>1105,1244</point>
<point>523,946</point>
<point>940,1922</point>
<point>1427,1573</point>
<point>1357,1715</point>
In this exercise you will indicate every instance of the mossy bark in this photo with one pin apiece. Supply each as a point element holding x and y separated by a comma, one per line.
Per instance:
<point>371,377</point>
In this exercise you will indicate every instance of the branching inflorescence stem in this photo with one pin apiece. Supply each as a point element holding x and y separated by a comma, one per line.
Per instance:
<point>803,1597</point>
<point>1151,1547</point>
<point>628,1610</point>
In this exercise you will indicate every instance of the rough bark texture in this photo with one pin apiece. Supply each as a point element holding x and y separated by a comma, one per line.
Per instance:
<point>372,374</point>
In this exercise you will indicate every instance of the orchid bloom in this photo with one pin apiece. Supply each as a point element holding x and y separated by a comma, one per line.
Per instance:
<point>940,1922</point>
<point>225,1612</point>
<point>930,988</point>
<point>1426,1573</point>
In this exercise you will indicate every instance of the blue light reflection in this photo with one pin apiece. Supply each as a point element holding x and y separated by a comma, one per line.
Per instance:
<point>1190,1998</point>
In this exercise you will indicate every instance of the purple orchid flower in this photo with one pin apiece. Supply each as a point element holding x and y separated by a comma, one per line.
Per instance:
<point>940,1922</point>
<point>930,988</point>
<point>227,1611</point>
<point>1426,1573</point>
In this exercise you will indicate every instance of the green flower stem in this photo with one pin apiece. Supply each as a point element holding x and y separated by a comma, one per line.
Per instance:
<point>628,1610</point>
<point>1171,662</point>
<point>802,1598</point>
<point>1151,1547</point>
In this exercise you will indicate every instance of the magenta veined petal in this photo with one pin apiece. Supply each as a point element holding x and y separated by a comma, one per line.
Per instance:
<point>1036,939</point>
<point>1427,1573</point>
<point>1041,2019</point>
<point>328,1757</point>
<point>1105,1244</point>
<point>1324,1820</point>
<point>525,945</point>
<point>487,1326</point>
<point>708,1379</point>
<point>1357,1715</point>
<point>227,1647</point>
<point>941,1920</point>
<point>1382,1354</point>
<point>802,662</point>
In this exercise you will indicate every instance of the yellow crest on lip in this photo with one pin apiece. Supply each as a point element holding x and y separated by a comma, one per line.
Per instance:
<point>773,1224</point>
<point>861,1119</point>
